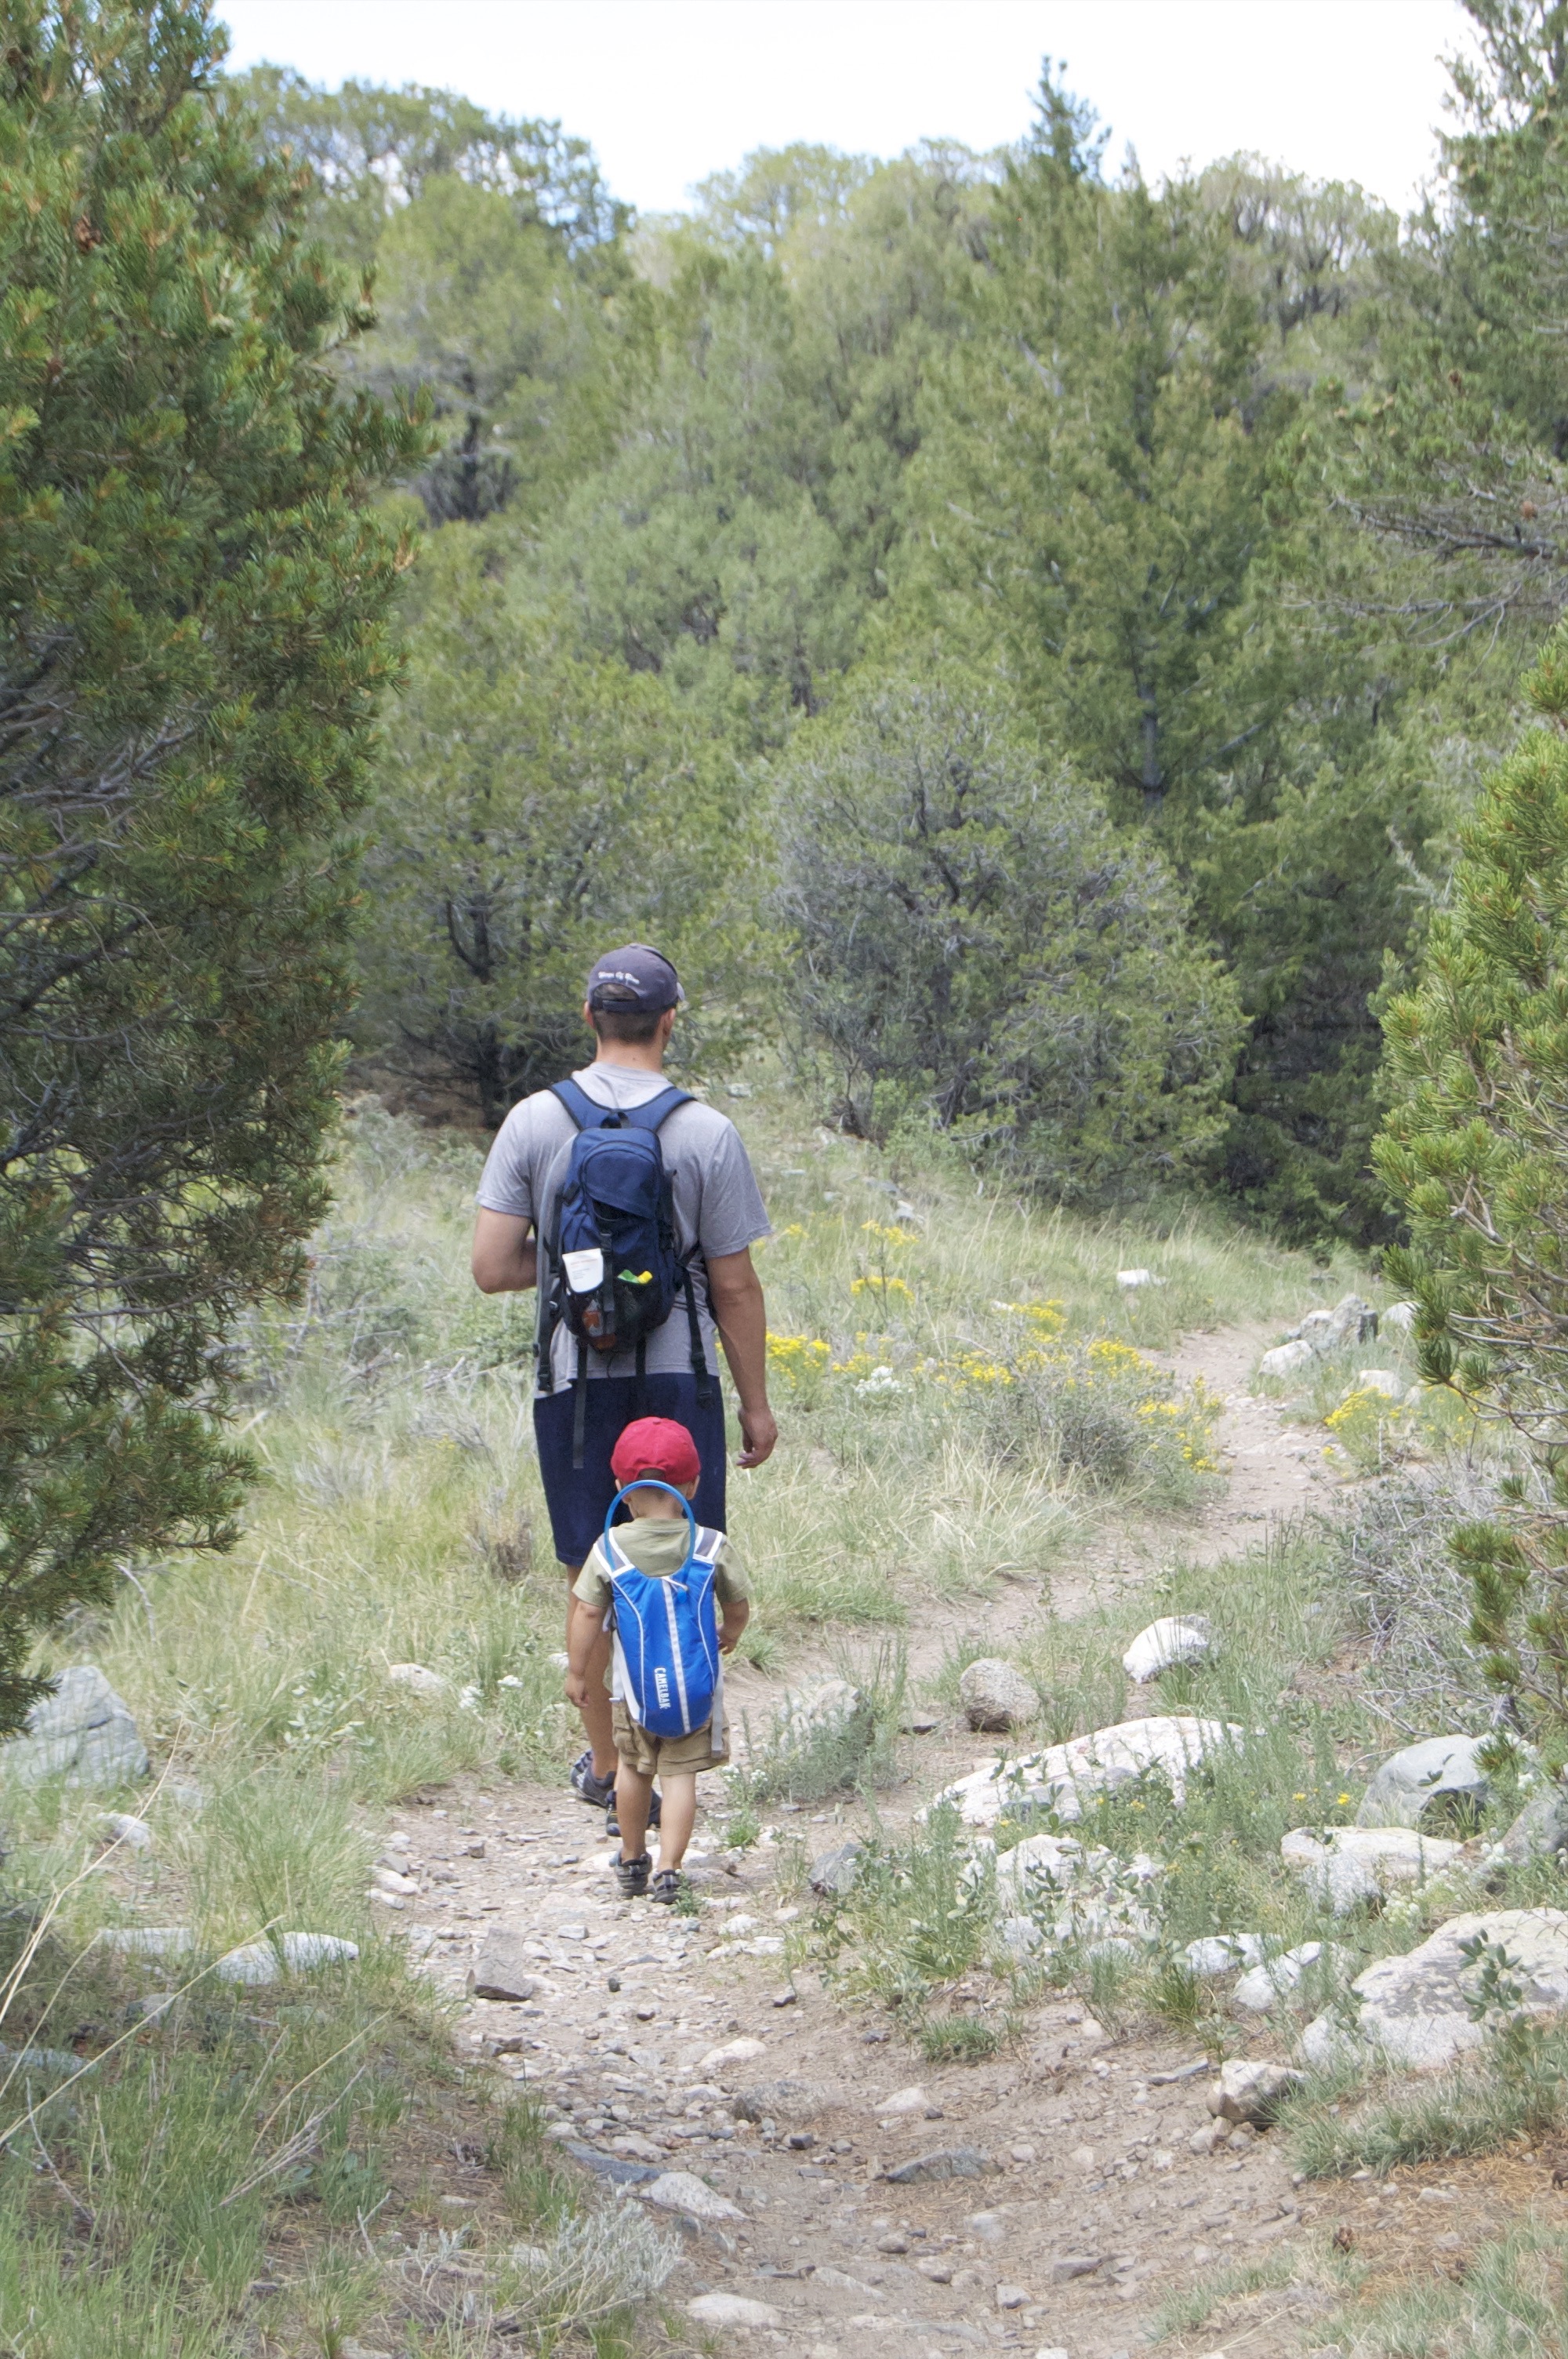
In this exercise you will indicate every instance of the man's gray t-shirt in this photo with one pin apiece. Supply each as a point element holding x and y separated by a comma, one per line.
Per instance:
<point>719,1207</point>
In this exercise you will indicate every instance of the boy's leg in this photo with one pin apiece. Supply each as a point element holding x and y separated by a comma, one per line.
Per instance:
<point>595,1713</point>
<point>679,1790</point>
<point>634,1796</point>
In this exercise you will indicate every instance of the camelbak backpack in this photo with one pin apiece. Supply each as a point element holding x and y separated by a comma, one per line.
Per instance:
<point>666,1631</point>
<point>612,1269</point>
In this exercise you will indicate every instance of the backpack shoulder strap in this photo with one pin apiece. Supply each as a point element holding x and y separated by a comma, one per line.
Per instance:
<point>656,1112</point>
<point>585,1112</point>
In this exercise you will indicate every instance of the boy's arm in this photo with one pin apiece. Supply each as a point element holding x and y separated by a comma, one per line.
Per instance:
<point>737,1614</point>
<point>583,1628</point>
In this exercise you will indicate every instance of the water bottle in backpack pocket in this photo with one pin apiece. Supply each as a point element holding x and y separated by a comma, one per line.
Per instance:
<point>665,1632</point>
<point>613,1268</point>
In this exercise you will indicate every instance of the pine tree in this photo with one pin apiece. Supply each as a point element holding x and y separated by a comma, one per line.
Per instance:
<point>1475,1151</point>
<point>192,647</point>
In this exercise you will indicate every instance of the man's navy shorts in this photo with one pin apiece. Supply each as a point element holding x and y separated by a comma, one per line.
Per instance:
<point>578,1496</point>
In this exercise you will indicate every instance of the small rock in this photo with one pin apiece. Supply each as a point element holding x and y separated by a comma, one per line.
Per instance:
<point>1267,1984</point>
<point>1022,2153</point>
<point>1425,1783</point>
<point>945,2162</point>
<point>418,1679</point>
<point>804,1712</point>
<point>788,1997</point>
<point>149,1941</point>
<point>1357,1864</point>
<point>1067,2266</point>
<point>1541,1830</point>
<point>500,1969</point>
<point>1204,2140</point>
<point>1132,1278</point>
<point>83,1732</point>
<point>122,1828</point>
<point>835,1871</point>
<point>733,2052</point>
<point>782,2101</point>
<point>387,1879</point>
<point>892,2243</point>
<point>939,2272</point>
<point>1081,2158</point>
<point>1351,1321</point>
<point>1174,1639</point>
<point>1010,2297</point>
<point>913,2100</point>
<point>1251,2091</point>
<point>303,1952</point>
<point>682,2190</point>
<point>1381,1380</point>
<point>1055,2351</point>
<point>1285,1359</point>
<point>996,1695</point>
<point>1223,1954</point>
<point>1399,1316</point>
<point>919,1724</point>
<point>636,2148</point>
<point>732,2310</point>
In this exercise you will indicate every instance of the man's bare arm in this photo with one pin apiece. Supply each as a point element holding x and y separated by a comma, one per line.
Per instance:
<point>505,1255</point>
<point>735,1293</point>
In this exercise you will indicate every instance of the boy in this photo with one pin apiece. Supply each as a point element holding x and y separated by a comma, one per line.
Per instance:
<point>657,1541</point>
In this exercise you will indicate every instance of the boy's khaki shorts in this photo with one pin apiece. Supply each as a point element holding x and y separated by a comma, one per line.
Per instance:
<point>651,1754</point>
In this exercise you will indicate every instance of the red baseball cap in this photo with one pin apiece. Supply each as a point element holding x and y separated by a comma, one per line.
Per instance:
<point>659,1447</point>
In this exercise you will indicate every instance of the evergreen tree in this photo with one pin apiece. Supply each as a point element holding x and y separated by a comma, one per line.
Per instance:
<point>192,649</point>
<point>1475,1152</point>
<point>534,804</point>
<point>973,945</point>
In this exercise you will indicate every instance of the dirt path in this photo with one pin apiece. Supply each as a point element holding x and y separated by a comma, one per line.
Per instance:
<point>1090,2206</point>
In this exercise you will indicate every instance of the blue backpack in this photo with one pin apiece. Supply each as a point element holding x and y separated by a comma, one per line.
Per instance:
<point>666,1632</point>
<point>612,1269</point>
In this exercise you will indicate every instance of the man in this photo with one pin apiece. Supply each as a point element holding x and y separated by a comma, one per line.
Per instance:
<point>633,996</point>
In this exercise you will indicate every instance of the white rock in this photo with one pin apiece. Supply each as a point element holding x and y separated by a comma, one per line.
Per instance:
<point>387,1879</point>
<point>1174,1639</point>
<point>1223,1954</point>
<point>1414,2010</point>
<point>1381,1380</point>
<point>1037,1862</point>
<point>732,2310</point>
<point>1274,1978</point>
<point>254,1963</point>
<point>83,1732</point>
<point>1250,2091</point>
<point>1062,1777</point>
<point>733,2052</point>
<point>682,2190</point>
<point>1359,1864</point>
<point>149,1941</point>
<point>1131,1279</point>
<point>258,1962</point>
<point>826,1703</point>
<point>996,1695</point>
<point>1424,1778</point>
<point>122,1828</point>
<point>1285,1359</point>
<point>913,2100</point>
<point>416,1678</point>
<point>1399,1316</point>
<point>302,1952</point>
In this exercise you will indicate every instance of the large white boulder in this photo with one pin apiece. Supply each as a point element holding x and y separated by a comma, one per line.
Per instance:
<point>1174,1639</point>
<point>1415,2010</point>
<point>1350,1865</point>
<point>1216,1955</point>
<point>1063,1778</point>
<point>1286,1358</point>
<point>83,1731</point>
<point>1424,1781</point>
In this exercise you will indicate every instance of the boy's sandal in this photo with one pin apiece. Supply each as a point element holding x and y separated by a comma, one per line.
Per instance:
<point>632,1876</point>
<point>595,1791</point>
<point>667,1885</point>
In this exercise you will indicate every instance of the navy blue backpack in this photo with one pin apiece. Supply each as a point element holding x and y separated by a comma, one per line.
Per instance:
<point>613,1268</point>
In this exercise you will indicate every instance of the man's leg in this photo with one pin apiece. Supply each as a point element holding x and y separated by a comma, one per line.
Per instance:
<point>679,1790</point>
<point>595,1713</point>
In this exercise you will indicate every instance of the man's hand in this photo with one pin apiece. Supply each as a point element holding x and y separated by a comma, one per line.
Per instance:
<point>575,1685</point>
<point>506,1254</point>
<point>759,1431</point>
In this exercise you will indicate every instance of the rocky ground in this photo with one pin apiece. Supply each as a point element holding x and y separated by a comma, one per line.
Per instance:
<point>825,2184</point>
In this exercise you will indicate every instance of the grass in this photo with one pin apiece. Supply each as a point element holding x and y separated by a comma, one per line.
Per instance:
<point>1509,2302</point>
<point>302,2132</point>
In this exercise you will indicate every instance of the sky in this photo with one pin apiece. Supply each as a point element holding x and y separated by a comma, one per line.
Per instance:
<point>669,90</point>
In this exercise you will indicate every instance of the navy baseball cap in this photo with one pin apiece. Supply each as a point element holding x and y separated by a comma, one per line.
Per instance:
<point>636,980</point>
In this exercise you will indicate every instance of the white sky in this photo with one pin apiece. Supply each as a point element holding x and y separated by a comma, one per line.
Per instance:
<point>668,91</point>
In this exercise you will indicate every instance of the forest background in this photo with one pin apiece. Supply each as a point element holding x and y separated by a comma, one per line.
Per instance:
<point>1036,634</point>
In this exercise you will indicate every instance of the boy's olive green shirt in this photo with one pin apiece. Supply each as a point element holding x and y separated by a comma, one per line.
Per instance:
<point>657,1546</point>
